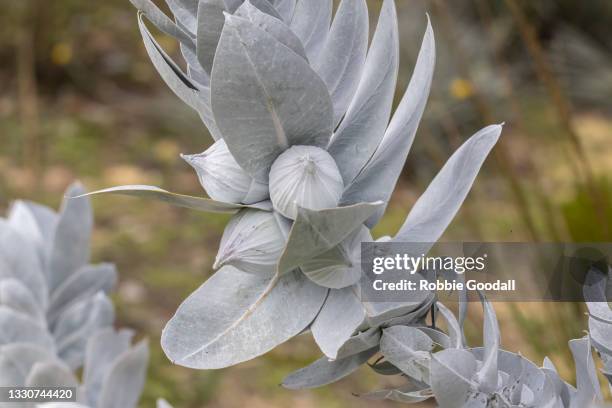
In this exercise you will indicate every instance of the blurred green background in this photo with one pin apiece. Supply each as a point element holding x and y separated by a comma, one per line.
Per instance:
<point>79,99</point>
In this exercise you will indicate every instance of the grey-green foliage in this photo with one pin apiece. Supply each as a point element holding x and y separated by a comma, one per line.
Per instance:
<point>436,364</point>
<point>55,313</point>
<point>307,152</point>
<point>596,291</point>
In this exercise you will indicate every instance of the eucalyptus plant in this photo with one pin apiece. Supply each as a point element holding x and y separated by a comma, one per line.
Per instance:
<point>55,313</point>
<point>306,154</point>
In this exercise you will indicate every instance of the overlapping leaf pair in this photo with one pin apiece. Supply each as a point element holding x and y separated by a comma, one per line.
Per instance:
<point>55,314</point>
<point>307,154</point>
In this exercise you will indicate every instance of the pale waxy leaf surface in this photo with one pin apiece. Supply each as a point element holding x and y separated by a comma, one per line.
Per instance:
<point>332,269</point>
<point>51,374</point>
<point>487,374</point>
<point>378,178</point>
<point>594,290</point>
<point>70,249</point>
<point>19,260</point>
<point>402,345</point>
<point>200,79</point>
<point>17,359</point>
<point>341,315</point>
<point>263,5</point>
<point>323,371</point>
<point>22,219</point>
<point>311,24</point>
<point>125,378</point>
<point>360,342</point>
<point>273,26</point>
<point>177,81</point>
<point>315,232</point>
<point>367,117</point>
<point>85,283</point>
<point>236,316</point>
<point>104,347</point>
<point>436,208</point>
<point>45,218</point>
<point>161,21</point>
<point>407,395</point>
<point>600,333</point>
<point>454,329</point>
<point>209,26</point>
<point>414,306</point>
<point>285,8</point>
<point>179,200</point>
<point>252,242</point>
<point>18,328</point>
<point>17,297</point>
<point>75,325</point>
<point>223,179</point>
<point>587,384</point>
<point>260,108</point>
<point>185,12</point>
<point>340,62</point>
<point>451,373</point>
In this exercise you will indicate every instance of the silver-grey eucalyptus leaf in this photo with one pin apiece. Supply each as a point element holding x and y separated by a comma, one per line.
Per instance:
<point>85,283</point>
<point>338,320</point>
<point>177,81</point>
<point>18,328</point>
<point>272,26</point>
<point>125,378</point>
<point>17,297</point>
<point>436,208</point>
<point>258,113</point>
<point>487,374</point>
<point>285,8</point>
<point>587,384</point>
<point>407,395</point>
<point>104,347</point>
<point>311,24</point>
<point>378,178</point>
<point>367,116</point>
<point>161,21</point>
<point>323,371</point>
<point>210,23</point>
<point>17,359</point>
<point>236,316</point>
<point>179,200</point>
<point>315,232</point>
<point>77,323</point>
<point>451,372</point>
<point>19,260</point>
<point>185,12</point>
<point>340,62</point>
<point>403,346</point>
<point>70,249</point>
<point>51,374</point>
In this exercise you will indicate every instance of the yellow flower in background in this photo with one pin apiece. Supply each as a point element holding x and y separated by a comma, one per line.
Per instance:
<point>461,88</point>
<point>166,151</point>
<point>61,54</point>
